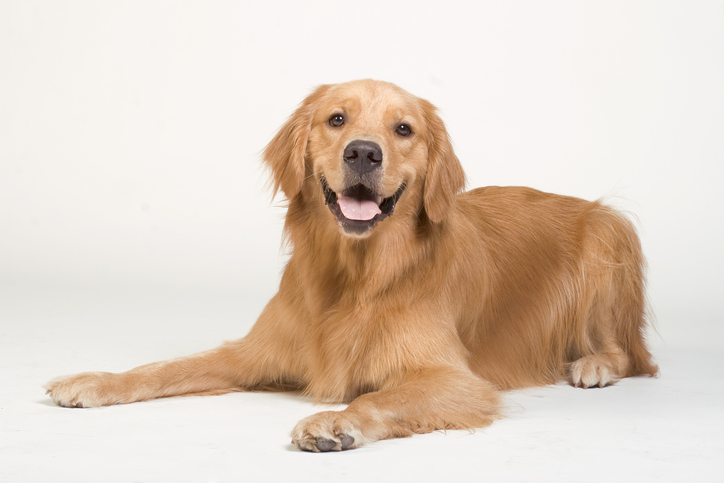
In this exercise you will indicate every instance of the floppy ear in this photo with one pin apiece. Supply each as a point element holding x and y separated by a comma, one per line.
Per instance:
<point>445,175</point>
<point>284,155</point>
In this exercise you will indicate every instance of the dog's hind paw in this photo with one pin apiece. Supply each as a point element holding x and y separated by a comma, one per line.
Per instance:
<point>592,371</point>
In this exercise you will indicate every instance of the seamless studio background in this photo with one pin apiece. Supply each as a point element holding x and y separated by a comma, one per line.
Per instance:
<point>136,223</point>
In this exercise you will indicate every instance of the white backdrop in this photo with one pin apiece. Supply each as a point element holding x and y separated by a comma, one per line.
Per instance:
<point>130,132</point>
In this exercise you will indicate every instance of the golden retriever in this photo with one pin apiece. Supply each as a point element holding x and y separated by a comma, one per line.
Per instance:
<point>414,302</point>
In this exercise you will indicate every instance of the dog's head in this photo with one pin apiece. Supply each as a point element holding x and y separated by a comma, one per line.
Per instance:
<point>363,147</point>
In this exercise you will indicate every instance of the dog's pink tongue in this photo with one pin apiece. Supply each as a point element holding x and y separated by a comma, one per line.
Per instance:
<point>353,209</point>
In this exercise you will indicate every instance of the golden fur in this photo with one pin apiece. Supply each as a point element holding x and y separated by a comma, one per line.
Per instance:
<point>419,319</point>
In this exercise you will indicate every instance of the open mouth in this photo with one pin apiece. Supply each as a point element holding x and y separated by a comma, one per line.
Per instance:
<point>358,208</point>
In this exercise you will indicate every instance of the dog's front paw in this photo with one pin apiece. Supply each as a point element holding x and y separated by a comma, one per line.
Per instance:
<point>86,390</point>
<point>327,431</point>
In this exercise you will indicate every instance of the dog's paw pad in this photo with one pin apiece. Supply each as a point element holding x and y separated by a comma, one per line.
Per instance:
<point>324,444</point>
<point>347,441</point>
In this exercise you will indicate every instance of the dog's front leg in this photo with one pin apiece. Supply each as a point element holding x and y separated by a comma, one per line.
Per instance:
<point>266,356</point>
<point>427,400</point>
<point>210,370</point>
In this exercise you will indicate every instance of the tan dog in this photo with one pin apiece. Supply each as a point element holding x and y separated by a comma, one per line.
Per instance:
<point>411,300</point>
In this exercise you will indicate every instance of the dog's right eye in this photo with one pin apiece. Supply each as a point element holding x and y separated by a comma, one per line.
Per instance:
<point>336,120</point>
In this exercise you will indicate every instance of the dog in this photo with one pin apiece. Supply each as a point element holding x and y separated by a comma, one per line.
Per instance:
<point>414,302</point>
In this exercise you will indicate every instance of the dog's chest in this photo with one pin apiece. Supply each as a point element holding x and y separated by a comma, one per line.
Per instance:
<point>352,352</point>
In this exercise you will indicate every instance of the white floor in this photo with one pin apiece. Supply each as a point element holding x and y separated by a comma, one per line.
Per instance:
<point>659,430</point>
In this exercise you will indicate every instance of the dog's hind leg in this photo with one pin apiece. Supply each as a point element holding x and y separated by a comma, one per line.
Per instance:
<point>608,337</point>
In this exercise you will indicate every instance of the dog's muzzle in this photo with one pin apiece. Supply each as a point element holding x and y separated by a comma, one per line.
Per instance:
<point>358,208</point>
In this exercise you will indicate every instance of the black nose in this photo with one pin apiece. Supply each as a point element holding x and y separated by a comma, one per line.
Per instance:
<point>363,156</point>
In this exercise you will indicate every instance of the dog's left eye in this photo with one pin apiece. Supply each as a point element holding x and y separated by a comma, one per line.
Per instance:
<point>336,120</point>
<point>403,130</point>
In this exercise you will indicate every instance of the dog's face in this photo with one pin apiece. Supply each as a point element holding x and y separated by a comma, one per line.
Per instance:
<point>366,145</point>
<point>362,147</point>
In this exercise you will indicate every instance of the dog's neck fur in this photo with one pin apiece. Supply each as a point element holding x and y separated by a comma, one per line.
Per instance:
<point>384,256</point>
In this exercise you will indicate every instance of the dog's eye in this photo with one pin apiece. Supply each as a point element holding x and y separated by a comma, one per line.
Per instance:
<point>336,120</point>
<point>403,130</point>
